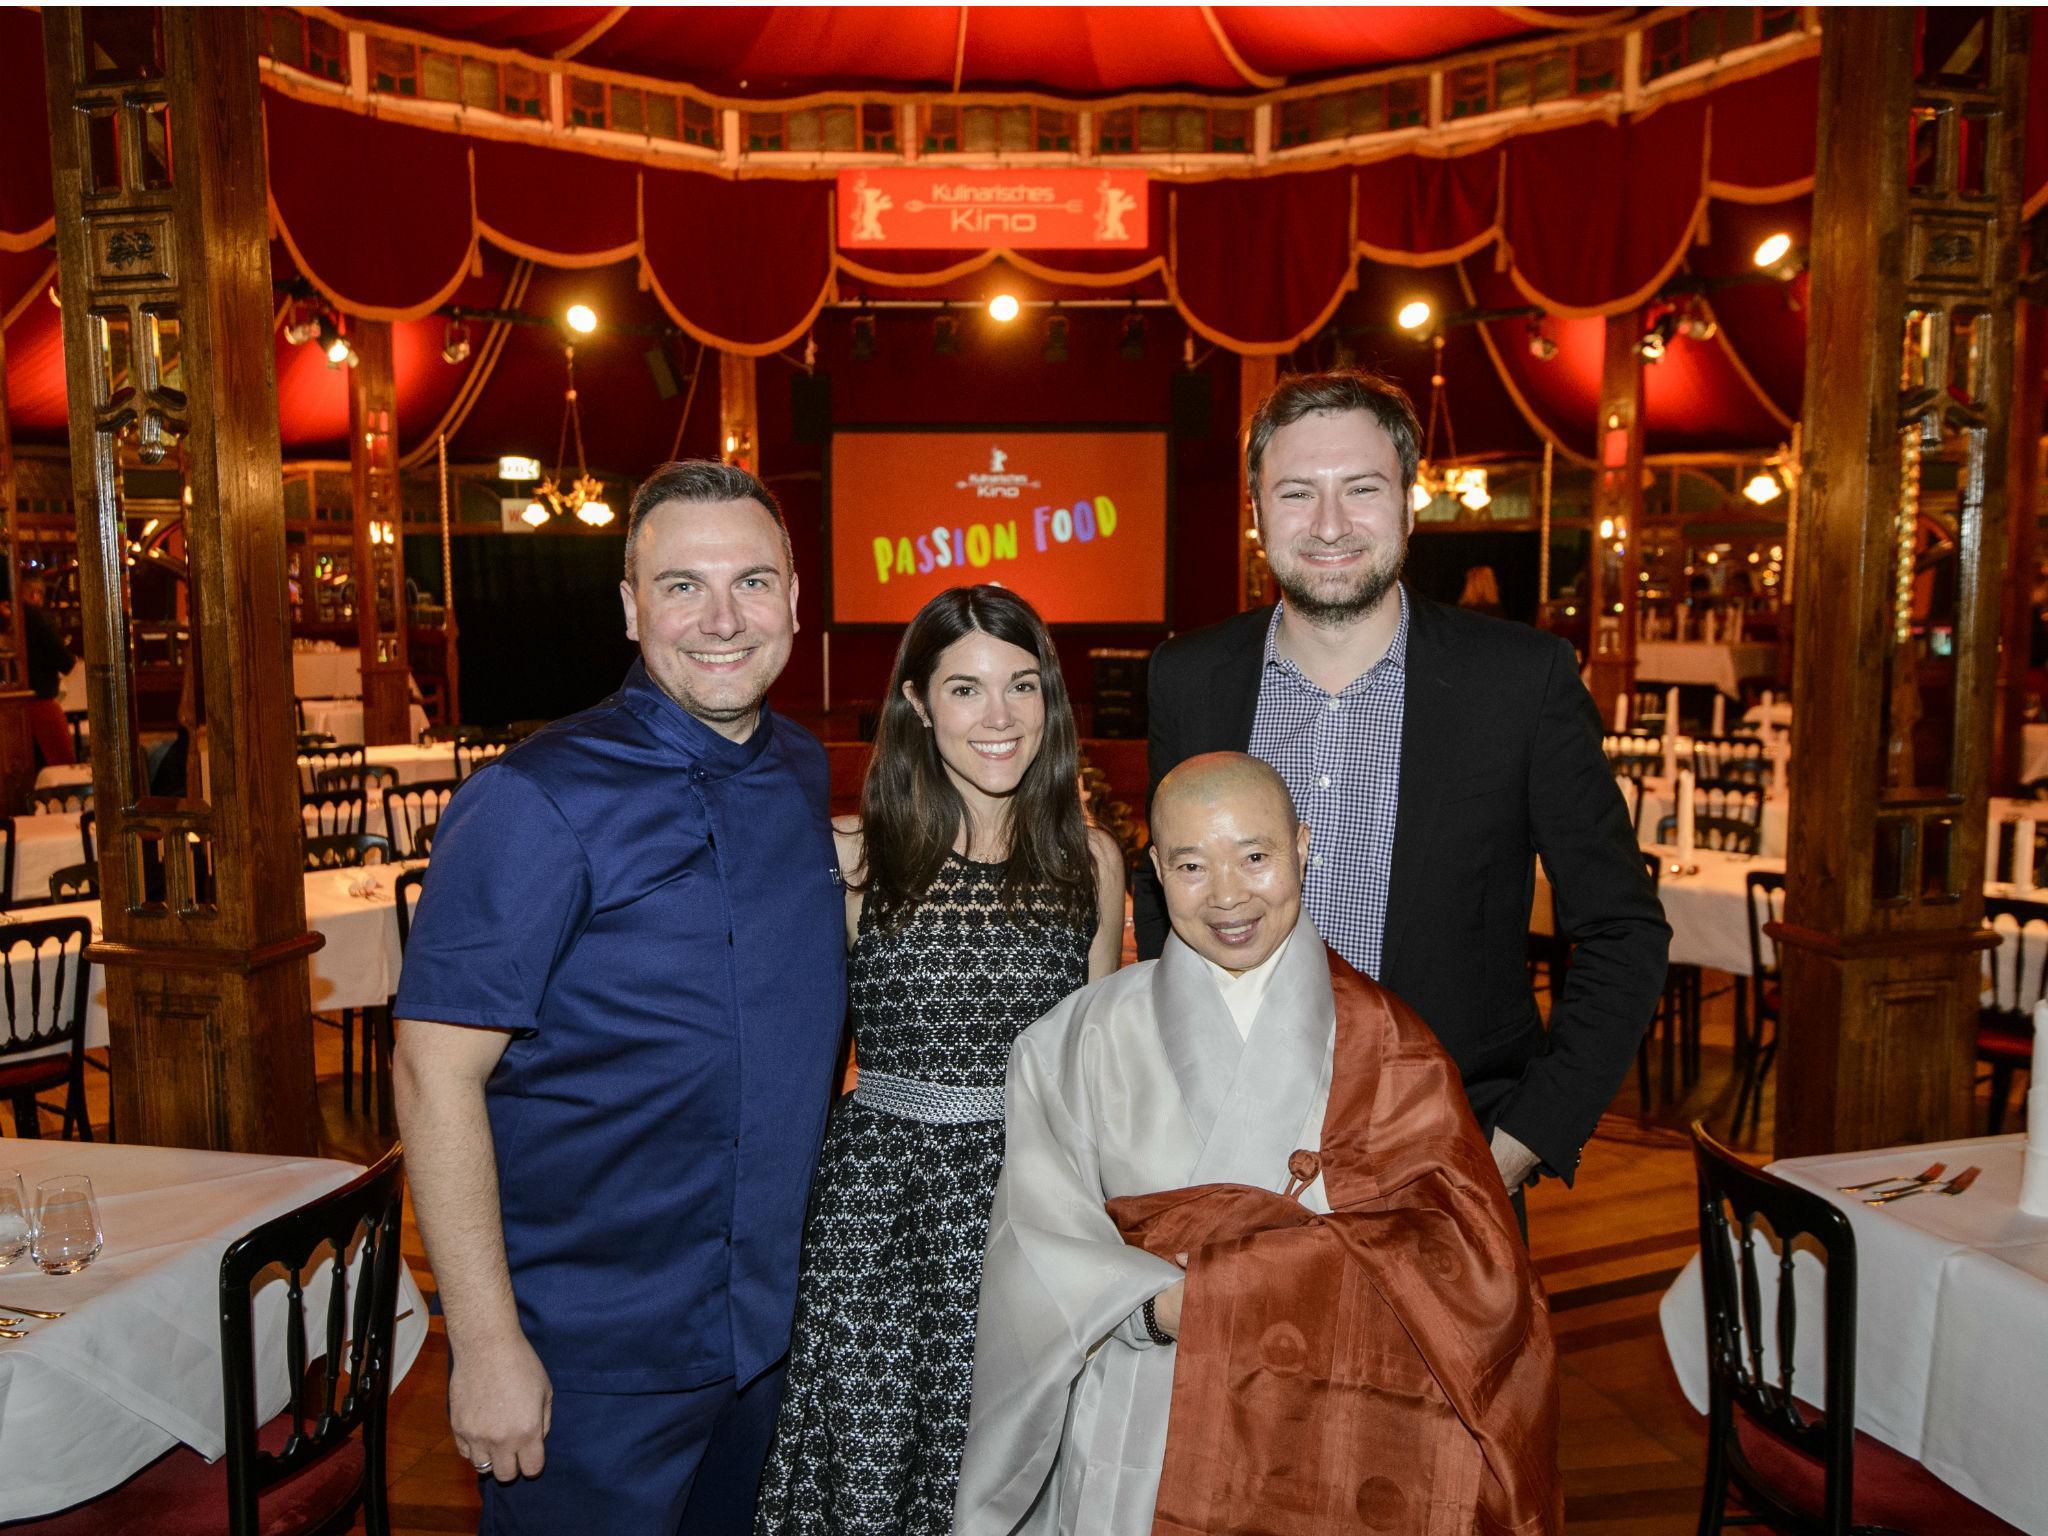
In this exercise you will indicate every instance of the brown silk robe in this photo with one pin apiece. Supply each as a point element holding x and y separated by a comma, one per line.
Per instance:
<point>1386,1367</point>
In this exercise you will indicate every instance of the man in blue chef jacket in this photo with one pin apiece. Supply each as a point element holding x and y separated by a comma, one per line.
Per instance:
<point>620,1011</point>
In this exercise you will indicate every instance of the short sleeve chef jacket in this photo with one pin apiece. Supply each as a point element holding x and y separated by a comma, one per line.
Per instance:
<point>654,913</point>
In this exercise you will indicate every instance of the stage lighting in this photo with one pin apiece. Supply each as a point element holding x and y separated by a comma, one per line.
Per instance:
<point>1778,256</point>
<point>946,336</point>
<point>1773,250</point>
<point>455,342</point>
<point>301,325</point>
<point>582,318</point>
<point>335,345</point>
<point>1056,339</point>
<point>1763,487</point>
<point>1542,345</point>
<point>1131,344</point>
<point>1003,308</point>
<point>1697,323</point>
<point>1658,337</point>
<point>1414,315</point>
<point>863,338</point>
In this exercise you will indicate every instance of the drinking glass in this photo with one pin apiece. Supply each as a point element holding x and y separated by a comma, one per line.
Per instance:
<point>67,1236</point>
<point>15,1227</point>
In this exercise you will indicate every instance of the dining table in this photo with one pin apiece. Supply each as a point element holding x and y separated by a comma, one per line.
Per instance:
<point>413,762</point>
<point>1716,664</point>
<point>132,1367</point>
<point>1951,1318</point>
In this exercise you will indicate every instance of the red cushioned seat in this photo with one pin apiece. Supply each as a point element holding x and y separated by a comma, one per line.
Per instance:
<point>1892,1490</point>
<point>1994,1043</point>
<point>181,1494</point>
<point>35,1075</point>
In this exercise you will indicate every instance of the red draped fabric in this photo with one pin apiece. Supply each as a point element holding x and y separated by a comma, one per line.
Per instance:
<point>1293,232</point>
<point>25,200</point>
<point>1419,210</point>
<point>741,265</point>
<point>554,206</point>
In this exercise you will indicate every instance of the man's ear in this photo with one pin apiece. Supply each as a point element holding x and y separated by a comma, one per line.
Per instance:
<point>632,611</point>
<point>1158,864</point>
<point>794,626</point>
<point>1301,846</point>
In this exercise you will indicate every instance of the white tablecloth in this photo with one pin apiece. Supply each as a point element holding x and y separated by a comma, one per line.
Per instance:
<point>2033,753</point>
<point>42,846</point>
<point>1658,802</point>
<point>343,719</point>
<point>327,674</point>
<point>1725,667</point>
<point>412,763</point>
<point>1951,1321</point>
<point>1705,910</point>
<point>134,1366</point>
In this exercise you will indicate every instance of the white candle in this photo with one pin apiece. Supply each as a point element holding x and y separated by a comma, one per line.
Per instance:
<point>1621,712</point>
<point>2035,1081</point>
<point>1991,851</point>
<point>1720,714</point>
<point>2023,855</point>
<point>1685,826</point>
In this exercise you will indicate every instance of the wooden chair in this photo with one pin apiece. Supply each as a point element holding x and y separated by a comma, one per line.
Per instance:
<point>81,739</point>
<point>75,882</point>
<point>472,755</point>
<point>368,780</point>
<point>7,893</point>
<point>320,1463</point>
<point>315,761</point>
<point>1802,1466</point>
<point>1756,1037</point>
<point>314,741</point>
<point>407,894</point>
<point>43,1014</point>
<point>88,835</point>
<point>411,812</point>
<point>60,799</point>
<point>1670,1014</point>
<point>332,815</point>
<point>1729,762</point>
<point>1721,833</point>
<point>1632,756</point>
<point>347,850</point>
<point>2016,978</point>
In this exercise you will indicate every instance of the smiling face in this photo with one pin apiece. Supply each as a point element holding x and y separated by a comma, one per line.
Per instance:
<point>712,605</point>
<point>986,706</point>
<point>1230,859</point>
<point>1333,515</point>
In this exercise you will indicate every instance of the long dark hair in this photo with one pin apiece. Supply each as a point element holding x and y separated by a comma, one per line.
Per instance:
<point>909,810</point>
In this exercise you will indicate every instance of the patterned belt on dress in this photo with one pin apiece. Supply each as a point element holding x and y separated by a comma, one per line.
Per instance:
<point>933,1103</point>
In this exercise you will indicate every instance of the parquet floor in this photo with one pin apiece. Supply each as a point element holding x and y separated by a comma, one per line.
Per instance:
<point>1607,1249</point>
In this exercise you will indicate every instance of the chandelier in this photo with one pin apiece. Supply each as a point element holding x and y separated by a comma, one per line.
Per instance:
<point>584,496</point>
<point>1463,483</point>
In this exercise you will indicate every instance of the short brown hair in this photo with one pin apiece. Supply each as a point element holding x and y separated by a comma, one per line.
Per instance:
<point>700,480</point>
<point>1339,390</point>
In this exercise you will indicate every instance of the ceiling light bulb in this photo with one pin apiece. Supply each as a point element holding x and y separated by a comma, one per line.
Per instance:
<point>1606,527</point>
<point>1419,497</point>
<point>1003,307</point>
<point>596,513</point>
<point>1762,487</point>
<point>1414,315</point>
<point>534,515</point>
<point>1476,497</point>
<point>340,352</point>
<point>1773,249</point>
<point>582,318</point>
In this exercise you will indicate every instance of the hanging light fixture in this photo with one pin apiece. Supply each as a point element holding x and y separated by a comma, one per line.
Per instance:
<point>1763,487</point>
<point>585,495</point>
<point>1463,483</point>
<point>534,515</point>
<point>945,335</point>
<point>1056,338</point>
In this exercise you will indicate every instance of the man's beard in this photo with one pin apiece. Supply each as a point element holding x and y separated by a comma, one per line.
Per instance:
<point>1330,610</point>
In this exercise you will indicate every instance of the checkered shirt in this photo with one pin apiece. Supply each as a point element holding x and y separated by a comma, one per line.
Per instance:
<point>1340,756</point>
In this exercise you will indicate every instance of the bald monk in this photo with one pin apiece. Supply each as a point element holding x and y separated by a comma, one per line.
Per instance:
<point>1250,1268</point>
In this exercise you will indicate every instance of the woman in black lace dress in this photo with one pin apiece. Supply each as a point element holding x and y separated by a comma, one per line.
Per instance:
<point>977,898</point>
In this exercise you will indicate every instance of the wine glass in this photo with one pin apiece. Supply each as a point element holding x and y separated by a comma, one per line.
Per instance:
<point>67,1236</point>
<point>15,1227</point>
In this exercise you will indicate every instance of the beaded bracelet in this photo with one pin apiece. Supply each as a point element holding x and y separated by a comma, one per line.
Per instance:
<point>1153,1331</point>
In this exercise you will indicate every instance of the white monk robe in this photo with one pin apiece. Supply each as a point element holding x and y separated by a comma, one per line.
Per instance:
<point>1138,1083</point>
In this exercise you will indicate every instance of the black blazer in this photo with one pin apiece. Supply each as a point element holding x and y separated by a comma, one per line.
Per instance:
<point>1501,762</point>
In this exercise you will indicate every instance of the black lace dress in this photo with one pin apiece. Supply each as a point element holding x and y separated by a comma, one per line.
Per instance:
<point>874,1411</point>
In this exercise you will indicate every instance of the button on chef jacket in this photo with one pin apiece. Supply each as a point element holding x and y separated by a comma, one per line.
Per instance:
<point>654,913</point>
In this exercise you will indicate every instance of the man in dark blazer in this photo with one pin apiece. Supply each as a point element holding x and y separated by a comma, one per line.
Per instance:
<point>1435,754</point>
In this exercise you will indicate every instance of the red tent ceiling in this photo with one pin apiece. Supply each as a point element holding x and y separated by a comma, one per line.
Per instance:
<point>783,50</point>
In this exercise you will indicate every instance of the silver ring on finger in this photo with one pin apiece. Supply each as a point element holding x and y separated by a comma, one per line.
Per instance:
<point>482,1466</point>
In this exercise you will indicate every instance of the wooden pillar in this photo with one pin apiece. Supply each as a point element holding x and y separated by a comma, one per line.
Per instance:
<point>1256,377</point>
<point>1617,501</point>
<point>379,525</point>
<point>1882,930</point>
<point>2022,491</point>
<point>739,413</point>
<point>203,899</point>
<point>17,747</point>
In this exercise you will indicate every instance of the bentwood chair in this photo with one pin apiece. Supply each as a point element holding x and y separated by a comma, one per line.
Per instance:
<point>366,779</point>
<point>75,882</point>
<point>1722,833</point>
<point>1756,1038</point>
<point>44,979</point>
<point>60,799</point>
<point>1801,1465</point>
<point>327,815</point>
<point>407,892</point>
<point>1729,762</point>
<point>2016,978</point>
<point>412,811</point>
<point>320,1462</point>
<point>314,761</point>
<point>81,735</point>
<point>8,896</point>
<point>347,850</point>
<point>472,755</point>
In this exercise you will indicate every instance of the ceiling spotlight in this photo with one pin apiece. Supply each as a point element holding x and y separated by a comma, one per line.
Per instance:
<point>1542,345</point>
<point>518,470</point>
<point>1763,487</point>
<point>1773,250</point>
<point>301,325</point>
<point>1414,315</point>
<point>1697,323</point>
<point>1003,307</point>
<point>1658,337</point>
<point>455,342</point>
<point>1056,338</point>
<point>1131,344</point>
<point>582,318</point>
<point>863,338</point>
<point>534,515</point>
<point>946,336</point>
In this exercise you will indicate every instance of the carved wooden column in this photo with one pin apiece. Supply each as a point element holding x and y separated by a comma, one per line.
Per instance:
<point>17,745</point>
<point>166,261</point>
<point>380,520</point>
<point>739,413</point>
<point>2022,489</point>
<point>1902,543</point>
<point>1612,588</point>
<point>1256,377</point>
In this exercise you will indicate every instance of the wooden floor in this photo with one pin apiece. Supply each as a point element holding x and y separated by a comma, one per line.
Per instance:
<point>1607,1250</point>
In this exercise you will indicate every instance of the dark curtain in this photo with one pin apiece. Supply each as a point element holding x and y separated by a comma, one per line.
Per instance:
<point>542,635</point>
<point>1437,563</point>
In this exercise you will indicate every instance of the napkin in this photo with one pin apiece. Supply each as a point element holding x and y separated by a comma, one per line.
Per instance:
<point>362,884</point>
<point>2034,1161</point>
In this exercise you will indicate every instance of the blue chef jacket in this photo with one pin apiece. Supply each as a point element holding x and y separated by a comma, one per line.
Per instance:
<point>654,913</point>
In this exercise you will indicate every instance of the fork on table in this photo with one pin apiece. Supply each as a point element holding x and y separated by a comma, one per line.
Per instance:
<point>1933,1172</point>
<point>1954,1186</point>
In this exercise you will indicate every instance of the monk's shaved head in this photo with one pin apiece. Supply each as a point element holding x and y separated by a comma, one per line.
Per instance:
<point>1229,850</point>
<point>1214,777</point>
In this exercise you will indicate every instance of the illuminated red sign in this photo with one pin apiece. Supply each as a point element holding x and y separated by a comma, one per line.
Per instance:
<point>918,208</point>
